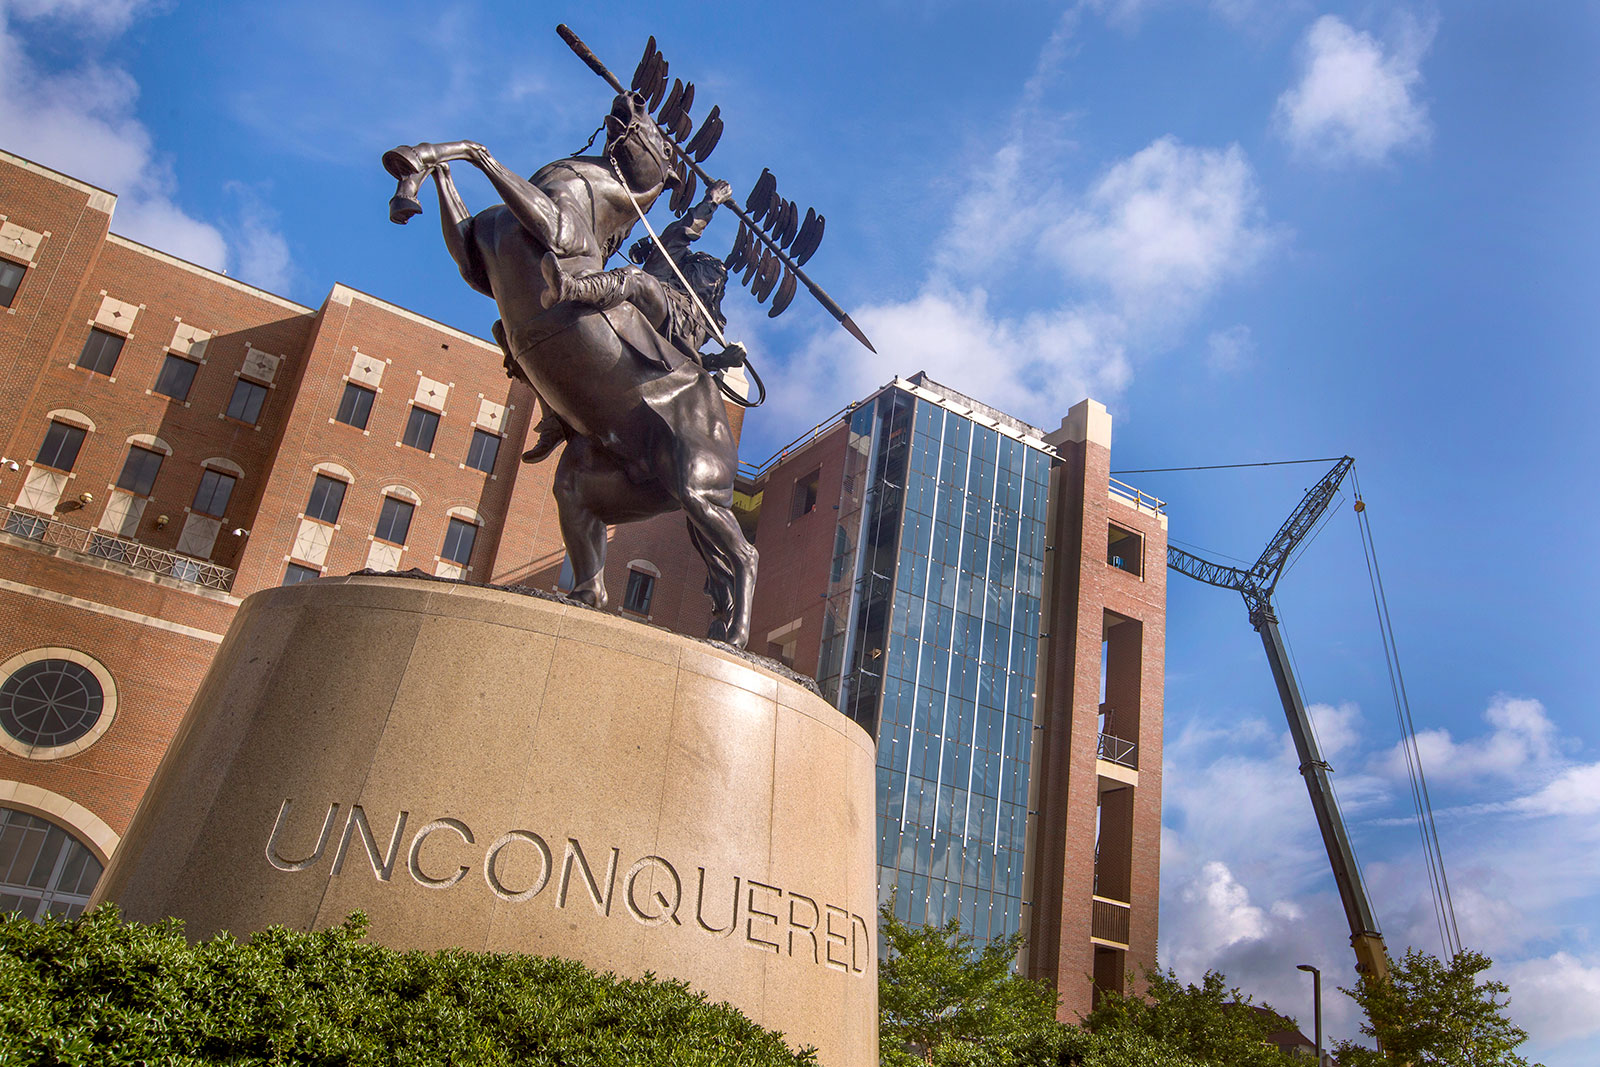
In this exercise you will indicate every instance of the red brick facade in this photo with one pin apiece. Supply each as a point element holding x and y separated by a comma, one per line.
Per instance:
<point>1099,617</point>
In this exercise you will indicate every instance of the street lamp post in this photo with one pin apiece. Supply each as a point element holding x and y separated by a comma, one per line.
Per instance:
<point>1316,997</point>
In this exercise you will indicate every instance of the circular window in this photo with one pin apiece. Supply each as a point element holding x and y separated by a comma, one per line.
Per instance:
<point>53,702</point>
<point>50,702</point>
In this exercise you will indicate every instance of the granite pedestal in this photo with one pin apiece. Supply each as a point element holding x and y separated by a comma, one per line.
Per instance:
<point>493,771</point>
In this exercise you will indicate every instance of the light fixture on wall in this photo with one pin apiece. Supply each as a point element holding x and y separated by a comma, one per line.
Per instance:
<point>9,464</point>
<point>86,498</point>
<point>161,522</point>
<point>240,531</point>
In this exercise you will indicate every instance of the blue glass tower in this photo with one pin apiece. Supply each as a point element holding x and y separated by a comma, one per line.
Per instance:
<point>931,641</point>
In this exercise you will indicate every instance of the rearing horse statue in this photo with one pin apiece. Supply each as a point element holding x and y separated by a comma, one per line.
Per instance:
<point>649,432</point>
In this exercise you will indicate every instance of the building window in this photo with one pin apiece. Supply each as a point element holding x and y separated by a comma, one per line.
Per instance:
<point>355,407</point>
<point>804,501</point>
<point>44,870</point>
<point>641,588</point>
<point>215,490</point>
<point>11,275</point>
<point>294,574</point>
<point>458,540</point>
<point>60,448</point>
<point>54,703</point>
<point>421,425</point>
<point>483,451</point>
<point>394,521</point>
<point>50,702</point>
<point>176,377</point>
<point>139,470</point>
<point>1124,549</point>
<point>327,498</point>
<point>245,404</point>
<point>100,352</point>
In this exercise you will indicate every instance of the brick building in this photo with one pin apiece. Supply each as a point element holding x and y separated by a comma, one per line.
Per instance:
<point>986,600</point>
<point>973,590</point>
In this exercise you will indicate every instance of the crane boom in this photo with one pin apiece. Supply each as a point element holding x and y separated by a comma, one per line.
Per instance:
<point>1256,586</point>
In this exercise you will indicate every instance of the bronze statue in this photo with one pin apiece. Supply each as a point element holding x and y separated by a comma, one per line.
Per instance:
<point>614,355</point>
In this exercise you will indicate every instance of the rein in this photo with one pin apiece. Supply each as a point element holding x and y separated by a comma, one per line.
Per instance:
<point>699,305</point>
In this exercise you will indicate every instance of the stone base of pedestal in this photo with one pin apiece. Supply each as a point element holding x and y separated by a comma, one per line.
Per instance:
<point>492,771</point>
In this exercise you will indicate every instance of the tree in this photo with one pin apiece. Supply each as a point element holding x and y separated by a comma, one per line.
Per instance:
<point>1209,1023</point>
<point>1432,1014</point>
<point>939,1002</point>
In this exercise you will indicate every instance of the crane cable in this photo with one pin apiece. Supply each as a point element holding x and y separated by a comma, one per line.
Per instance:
<point>1443,906</point>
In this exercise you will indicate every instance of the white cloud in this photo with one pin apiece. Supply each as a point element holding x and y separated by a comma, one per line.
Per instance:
<point>1220,912</point>
<point>1523,740</point>
<point>1033,365</point>
<point>1229,350</point>
<point>1575,791</point>
<point>82,122</point>
<point>1554,998</point>
<point>1355,101</point>
<point>261,253</point>
<point>1338,727</point>
<point>104,16</point>
<point>1163,228</point>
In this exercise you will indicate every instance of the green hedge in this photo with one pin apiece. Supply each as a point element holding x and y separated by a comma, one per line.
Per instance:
<point>97,990</point>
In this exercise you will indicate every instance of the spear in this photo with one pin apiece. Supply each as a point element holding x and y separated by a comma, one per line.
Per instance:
<point>593,62</point>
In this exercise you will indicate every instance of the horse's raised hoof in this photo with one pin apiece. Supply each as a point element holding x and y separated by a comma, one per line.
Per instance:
<point>402,209</point>
<point>403,162</point>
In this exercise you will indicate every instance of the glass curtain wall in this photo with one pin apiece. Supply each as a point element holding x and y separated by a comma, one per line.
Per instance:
<point>943,657</point>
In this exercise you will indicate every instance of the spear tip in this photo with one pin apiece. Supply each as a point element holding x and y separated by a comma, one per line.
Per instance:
<point>855,331</point>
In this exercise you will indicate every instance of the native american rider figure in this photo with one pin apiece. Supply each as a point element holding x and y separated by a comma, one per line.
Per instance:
<point>657,290</point>
<point>647,431</point>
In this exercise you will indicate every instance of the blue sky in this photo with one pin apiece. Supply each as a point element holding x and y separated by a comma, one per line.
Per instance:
<point>1256,230</point>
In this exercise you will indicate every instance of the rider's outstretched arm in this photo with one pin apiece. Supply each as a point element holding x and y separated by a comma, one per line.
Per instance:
<point>678,235</point>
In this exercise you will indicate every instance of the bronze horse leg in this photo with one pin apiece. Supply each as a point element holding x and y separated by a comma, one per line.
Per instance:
<point>536,211</point>
<point>592,491</point>
<point>456,222</point>
<point>709,510</point>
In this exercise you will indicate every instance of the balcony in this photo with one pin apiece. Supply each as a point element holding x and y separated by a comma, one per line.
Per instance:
<point>1108,921</point>
<point>1137,498</point>
<point>1114,749</point>
<point>98,543</point>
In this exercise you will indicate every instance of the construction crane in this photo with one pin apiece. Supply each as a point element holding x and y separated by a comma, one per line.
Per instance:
<point>1256,585</point>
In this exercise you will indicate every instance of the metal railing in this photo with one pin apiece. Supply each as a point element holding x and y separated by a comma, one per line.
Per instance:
<point>1116,750</point>
<point>1138,498</point>
<point>98,543</point>
<point>1108,920</point>
<point>752,471</point>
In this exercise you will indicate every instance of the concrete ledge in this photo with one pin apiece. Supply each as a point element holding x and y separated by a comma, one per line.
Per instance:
<point>482,769</point>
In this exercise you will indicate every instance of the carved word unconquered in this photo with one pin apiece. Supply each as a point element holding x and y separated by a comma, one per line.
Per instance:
<point>653,891</point>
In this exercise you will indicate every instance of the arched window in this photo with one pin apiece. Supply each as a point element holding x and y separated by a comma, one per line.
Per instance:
<point>44,869</point>
<point>642,575</point>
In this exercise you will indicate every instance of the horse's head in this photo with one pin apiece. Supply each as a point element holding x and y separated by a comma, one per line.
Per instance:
<point>637,144</point>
